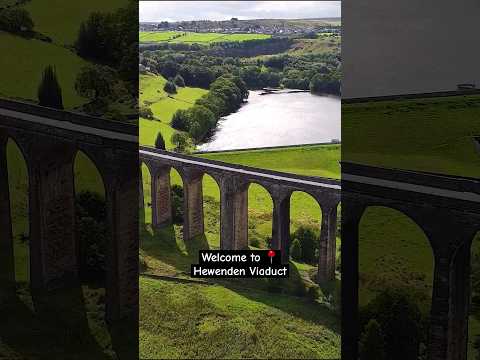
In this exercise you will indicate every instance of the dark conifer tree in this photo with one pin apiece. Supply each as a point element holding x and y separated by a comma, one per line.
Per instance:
<point>49,90</point>
<point>159,142</point>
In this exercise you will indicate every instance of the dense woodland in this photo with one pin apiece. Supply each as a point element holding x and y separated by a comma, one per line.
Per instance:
<point>201,65</point>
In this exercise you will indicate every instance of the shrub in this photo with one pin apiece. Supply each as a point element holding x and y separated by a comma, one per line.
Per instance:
<point>159,142</point>
<point>177,204</point>
<point>179,81</point>
<point>49,90</point>
<point>372,344</point>
<point>400,321</point>
<point>313,293</point>
<point>170,87</point>
<point>180,141</point>
<point>296,250</point>
<point>308,239</point>
<point>145,112</point>
<point>255,242</point>
<point>91,234</point>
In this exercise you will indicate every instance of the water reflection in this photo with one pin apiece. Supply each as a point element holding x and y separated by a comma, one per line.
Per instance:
<point>278,120</point>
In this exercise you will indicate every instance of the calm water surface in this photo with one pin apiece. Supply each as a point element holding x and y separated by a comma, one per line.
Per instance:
<point>278,120</point>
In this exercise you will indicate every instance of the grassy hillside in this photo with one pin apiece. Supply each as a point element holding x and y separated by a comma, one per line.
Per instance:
<point>419,134</point>
<point>324,44</point>
<point>197,321</point>
<point>163,107</point>
<point>201,38</point>
<point>55,19</point>
<point>24,61</point>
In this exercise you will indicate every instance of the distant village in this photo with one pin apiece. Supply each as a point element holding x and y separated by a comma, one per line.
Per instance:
<point>234,25</point>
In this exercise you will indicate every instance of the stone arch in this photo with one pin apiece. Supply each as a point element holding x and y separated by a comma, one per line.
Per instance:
<point>306,213</point>
<point>211,208</point>
<point>90,193</point>
<point>145,193</point>
<point>260,215</point>
<point>18,180</point>
<point>397,252</point>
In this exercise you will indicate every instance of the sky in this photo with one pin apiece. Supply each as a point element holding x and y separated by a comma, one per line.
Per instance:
<point>408,46</point>
<point>224,10</point>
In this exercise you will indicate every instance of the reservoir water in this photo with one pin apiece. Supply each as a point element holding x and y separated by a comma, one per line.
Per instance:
<point>278,120</point>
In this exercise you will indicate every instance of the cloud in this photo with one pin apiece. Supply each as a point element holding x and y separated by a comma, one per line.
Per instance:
<point>222,10</point>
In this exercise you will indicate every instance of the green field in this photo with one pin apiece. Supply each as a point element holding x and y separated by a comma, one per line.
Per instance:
<point>186,321</point>
<point>163,107</point>
<point>55,18</point>
<point>24,61</point>
<point>191,37</point>
<point>393,134</point>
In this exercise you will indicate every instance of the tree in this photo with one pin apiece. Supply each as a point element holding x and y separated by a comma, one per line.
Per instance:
<point>49,90</point>
<point>159,142</point>
<point>400,321</point>
<point>95,82</point>
<point>170,87</point>
<point>15,20</point>
<point>325,83</point>
<point>202,121</point>
<point>296,250</point>
<point>180,141</point>
<point>309,242</point>
<point>178,81</point>
<point>372,344</point>
<point>180,120</point>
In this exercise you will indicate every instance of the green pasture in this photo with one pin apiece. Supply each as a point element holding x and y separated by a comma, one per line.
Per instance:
<point>420,134</point>
<point>192,37</point>
<point>23,62</point>
<point>61,20</point>
<point>163,107</point>
<point>180,321</point>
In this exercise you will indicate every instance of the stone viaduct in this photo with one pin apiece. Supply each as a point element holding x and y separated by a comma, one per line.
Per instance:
<point>233,182</point>
<point>447,209</point>
<point>49,140</point>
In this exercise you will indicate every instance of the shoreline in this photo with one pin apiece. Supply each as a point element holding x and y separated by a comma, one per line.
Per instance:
<point>267,148</point>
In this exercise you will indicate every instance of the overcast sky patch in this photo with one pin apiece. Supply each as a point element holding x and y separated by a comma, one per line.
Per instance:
<point>223,10</point>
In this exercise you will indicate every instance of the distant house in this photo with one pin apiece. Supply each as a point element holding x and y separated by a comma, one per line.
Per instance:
<point>466,86</point>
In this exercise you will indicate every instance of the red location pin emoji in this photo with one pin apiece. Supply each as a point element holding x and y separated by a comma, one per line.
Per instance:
<point>271,254</point>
